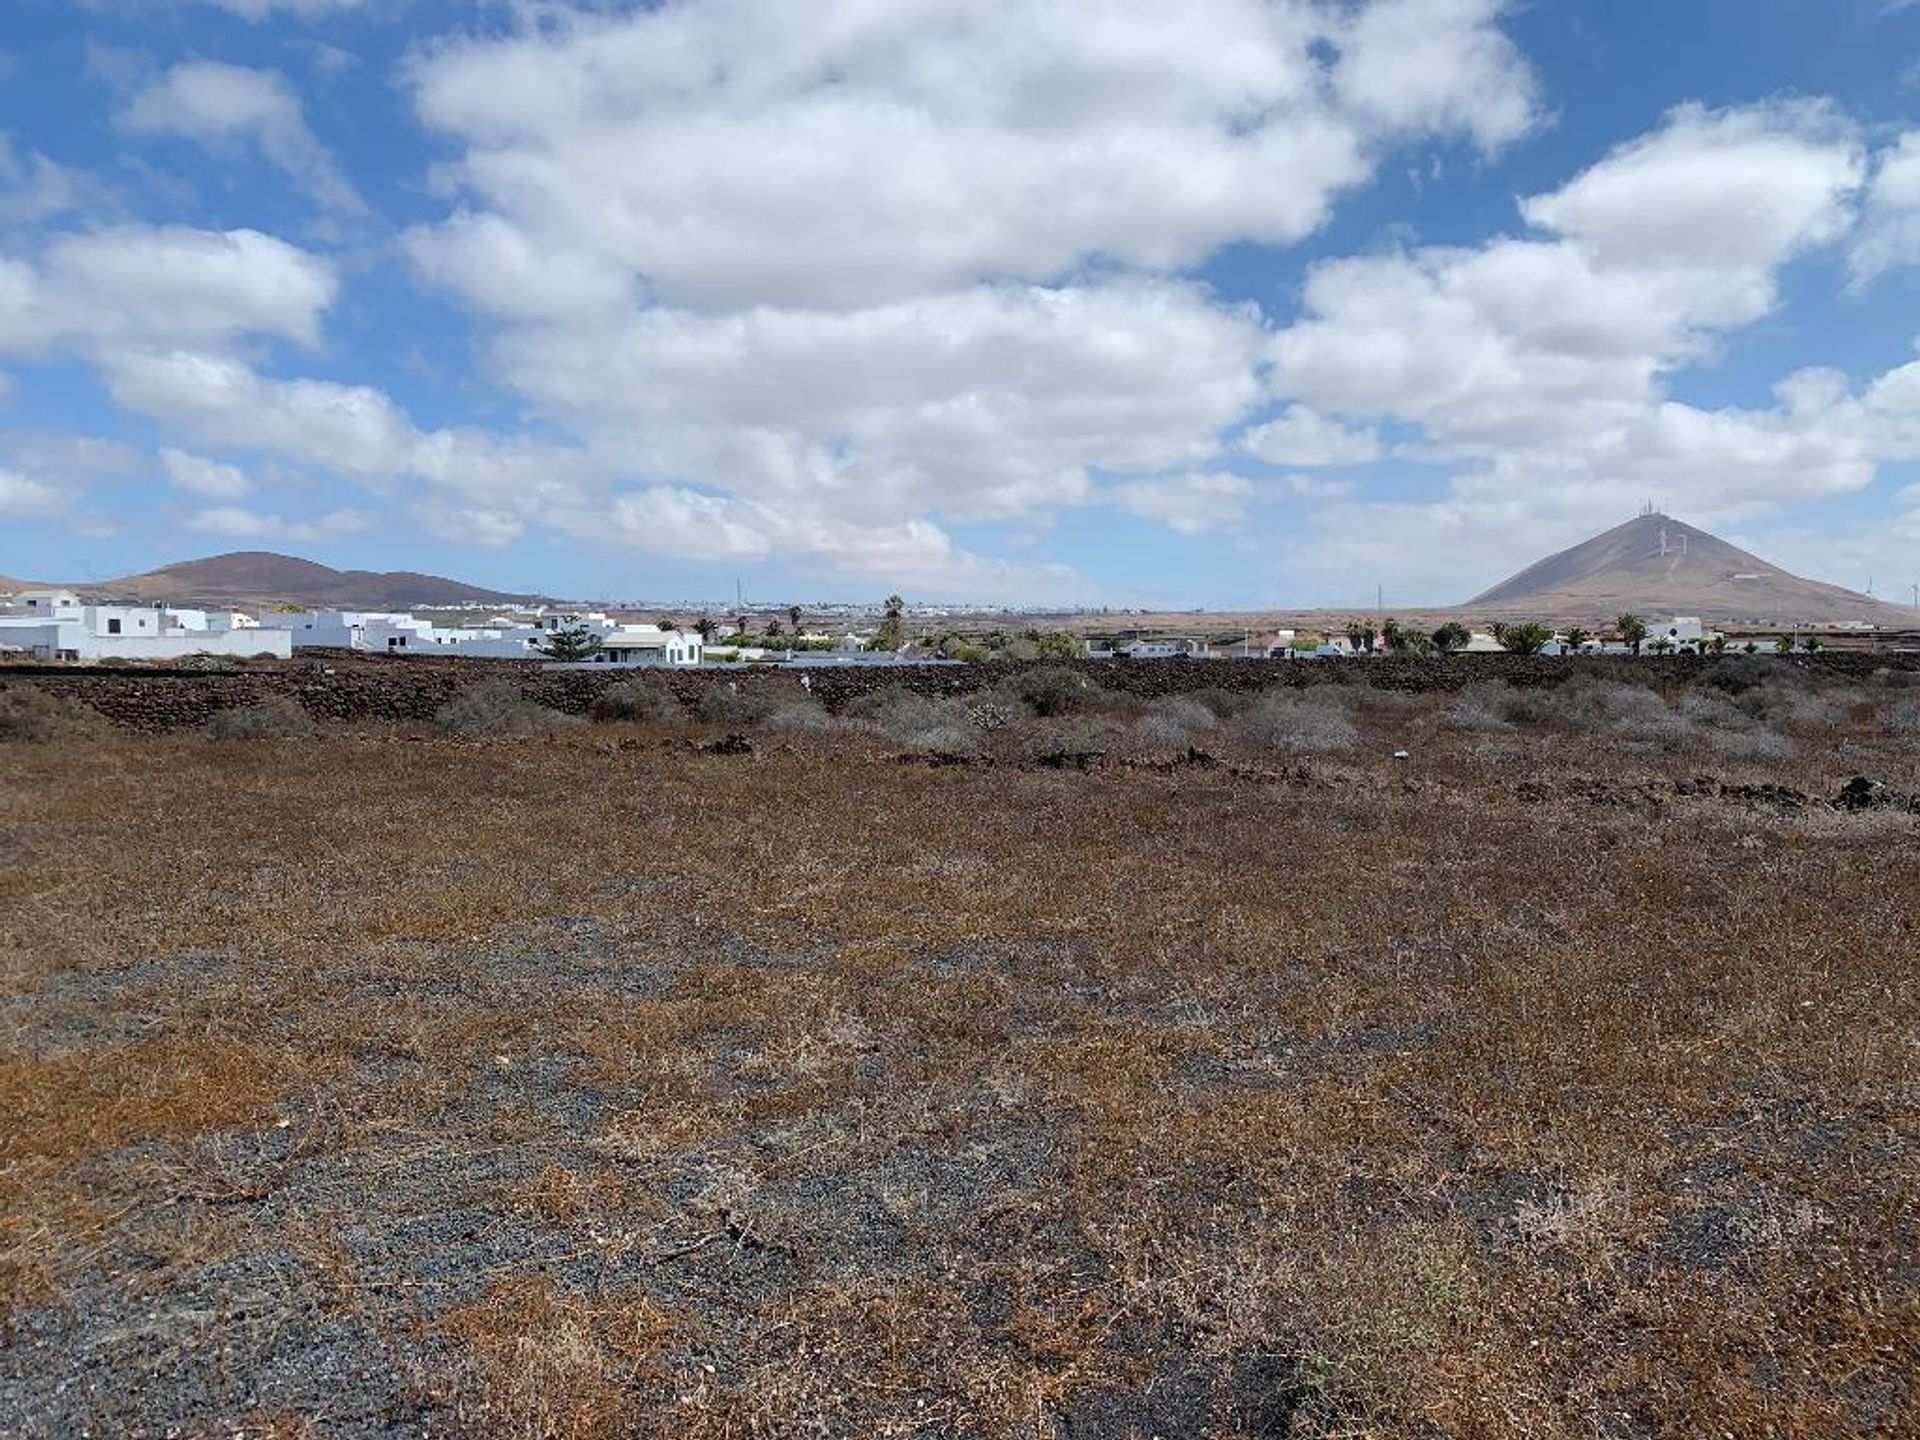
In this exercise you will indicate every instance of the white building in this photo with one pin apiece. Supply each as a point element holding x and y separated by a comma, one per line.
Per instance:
<point>58,625</point>
<point>1163,650</point>
<point>650,645</point>
<point>394,632</point>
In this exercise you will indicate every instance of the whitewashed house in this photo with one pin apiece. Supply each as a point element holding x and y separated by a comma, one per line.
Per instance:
<point>650,645</point>
<point>58,625</point>
<point>1164,650</point>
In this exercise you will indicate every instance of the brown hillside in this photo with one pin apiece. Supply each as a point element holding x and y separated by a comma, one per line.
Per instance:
<point>1657,565</point>
<point>261,577</point>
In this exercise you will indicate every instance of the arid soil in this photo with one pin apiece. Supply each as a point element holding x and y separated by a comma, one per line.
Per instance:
<point>1076,1068</point>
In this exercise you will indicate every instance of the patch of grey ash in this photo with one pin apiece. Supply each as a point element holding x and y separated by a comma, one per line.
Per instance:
<point>84,1008</point>
<point>255,1335</point>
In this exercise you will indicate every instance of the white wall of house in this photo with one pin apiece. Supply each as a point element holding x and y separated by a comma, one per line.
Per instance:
<point>132,632</point>
<point>650,645</point>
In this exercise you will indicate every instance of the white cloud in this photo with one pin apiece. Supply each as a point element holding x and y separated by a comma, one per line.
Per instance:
<point>1303,436</point>
<point>1544,358</point>
<point>1191,504</point>
<point>22,498</point>
<point>225,106</point>
<point>1889,235</point>
<point>209,479</point>
<point>1416,66</point>
<point>34,187</point>
<point>137,283</point>
<point>1537,367</point>
<point>847,153</point>
<point>235,522</point>
<point>1716,190</point>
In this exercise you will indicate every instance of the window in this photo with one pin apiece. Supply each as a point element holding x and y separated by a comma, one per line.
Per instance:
<point>113,627</point>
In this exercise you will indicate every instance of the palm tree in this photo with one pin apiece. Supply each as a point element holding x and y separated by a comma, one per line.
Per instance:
<point>1576,636</point>
<point>706,628</point>
<point>1451,637</point>
<point>793,615</point>
<point>1783,645</point>
<point>1661,645</point>
<point>1632,630</point>
<point>1811,644</point>
<point>1528,639</point>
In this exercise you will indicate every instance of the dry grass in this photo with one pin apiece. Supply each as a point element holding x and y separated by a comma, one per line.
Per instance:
<point>585,1085</point>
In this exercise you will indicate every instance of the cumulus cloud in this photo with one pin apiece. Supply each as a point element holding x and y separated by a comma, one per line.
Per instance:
<point>1544,358</point>
<point>844,153</point>
<point>22,498</point>
<point>1890,233</point>
<point>234,522</point>
<point>1191,504</point>
<point>135,283</point>
<point>227,106</point>
<point>1303,436</point>
<point>209,479</point>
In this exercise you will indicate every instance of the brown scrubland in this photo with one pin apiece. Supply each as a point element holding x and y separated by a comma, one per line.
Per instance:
<point>1037,1062</point>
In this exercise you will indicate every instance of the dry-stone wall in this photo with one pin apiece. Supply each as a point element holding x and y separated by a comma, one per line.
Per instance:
<point>407,691</point>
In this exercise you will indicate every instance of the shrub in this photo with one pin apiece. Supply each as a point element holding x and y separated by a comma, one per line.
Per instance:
<point>278,717</point>
<point>498,708</point>
<point>1310,722</point>
<point>30,714</point>
<point>647,699</point>
<point>1173,721</point>
<point>1051,691</point>
<point>1737,674</point>
<point>1889,679</point>
<point>916,722</point>
<point>1068,739</point>
<point>797,717</point>
<point>1903,717</point>
<point>737,705</point>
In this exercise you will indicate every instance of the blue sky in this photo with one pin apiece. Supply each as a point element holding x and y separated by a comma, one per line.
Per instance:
<point>1241,303</point>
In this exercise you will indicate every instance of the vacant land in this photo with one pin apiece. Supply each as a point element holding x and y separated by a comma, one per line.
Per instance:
<point>1032,1065</point>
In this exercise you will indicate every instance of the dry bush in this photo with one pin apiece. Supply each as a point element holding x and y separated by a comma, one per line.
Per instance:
<point>1728,728</point>
<point>645,699</point>
<point>1313,721</point>
<point>1066,738</point>
<point>738,706</point>
<point>918,722</point>
<point>1172,721</point>
<point>27,713</point>
<point>1052,691</point>
<point>1902,717</point>
<point>497,708</point>
<point>278,717</point>
<point>1887,678</point>
<point>798,717</point>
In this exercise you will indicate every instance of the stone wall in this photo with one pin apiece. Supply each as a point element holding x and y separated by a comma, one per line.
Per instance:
<point>401,691</point>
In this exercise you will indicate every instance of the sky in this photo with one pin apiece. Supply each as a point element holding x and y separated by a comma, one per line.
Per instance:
<point>1230,304</point>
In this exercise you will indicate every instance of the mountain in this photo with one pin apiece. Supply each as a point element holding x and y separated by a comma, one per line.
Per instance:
<point>259,577</point>
<point>1656,565</point>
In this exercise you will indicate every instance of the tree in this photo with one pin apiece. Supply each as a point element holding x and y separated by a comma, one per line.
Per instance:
<point>793,616</point>
<point>1661,645</point>
<point>1359,636</point>
<point>1750,648</point>
<point>892,632</point>
<point>1577,636</point>
<point>706,627</point>
<point>1811,644</point>
<point>576,643</point>
<point>1528,639</point>
<point>1632,630</point>
<point>1718,644</point>
<point>1058,645</point>
<point>773,630</point>
<point>1451,637</point>
<point>1783,645</point>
